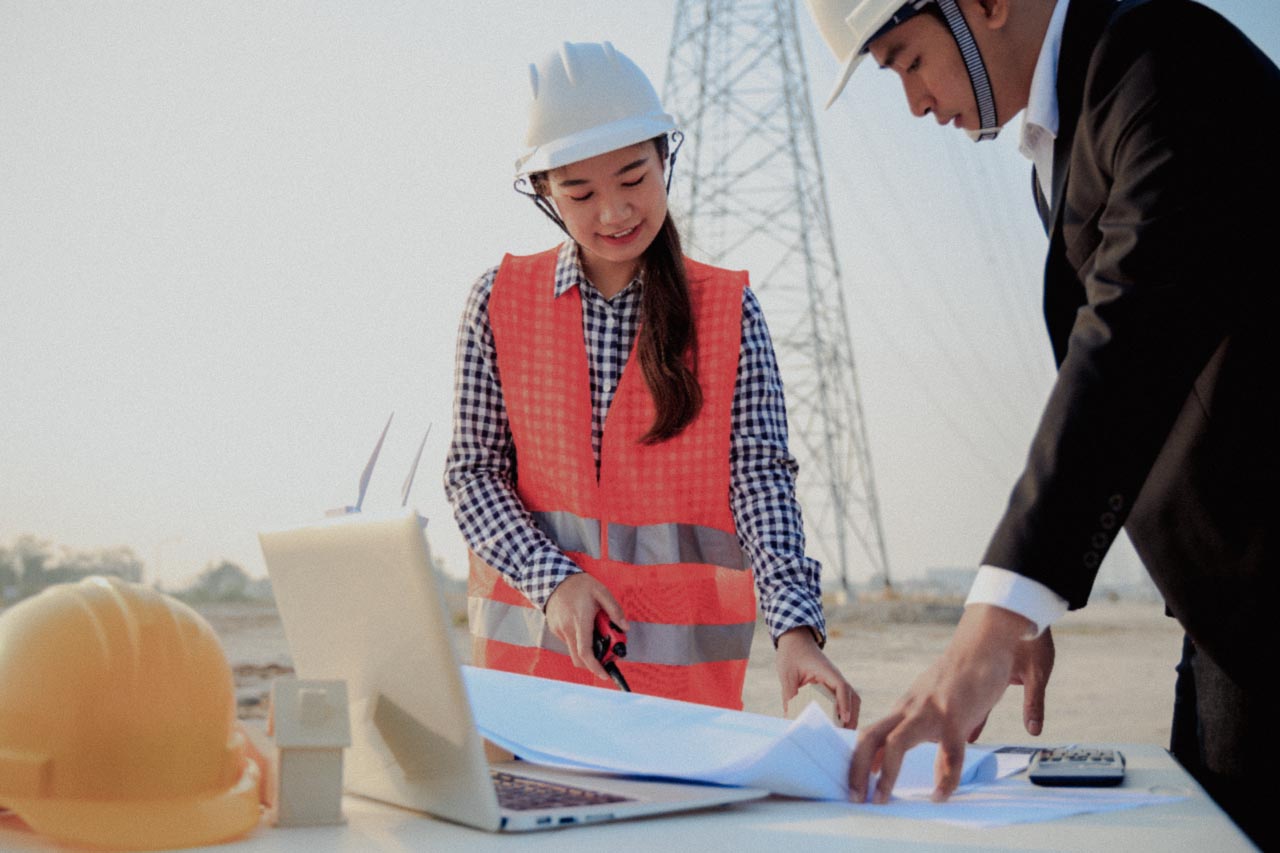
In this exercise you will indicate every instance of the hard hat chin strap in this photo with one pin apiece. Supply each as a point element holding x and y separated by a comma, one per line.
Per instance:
<point>521,183</point>
<point>977,71</point>
<point>677,139</point>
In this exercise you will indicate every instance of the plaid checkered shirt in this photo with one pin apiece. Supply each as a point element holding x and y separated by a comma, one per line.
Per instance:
<point>479,473</point>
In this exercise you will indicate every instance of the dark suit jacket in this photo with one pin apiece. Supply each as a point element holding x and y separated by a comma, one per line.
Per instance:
<point>1162,289</point>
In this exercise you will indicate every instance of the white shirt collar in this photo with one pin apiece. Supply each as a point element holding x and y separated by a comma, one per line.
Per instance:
<point>1040,121</point>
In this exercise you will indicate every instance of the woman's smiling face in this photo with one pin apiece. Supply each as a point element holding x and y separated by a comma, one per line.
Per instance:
<point>613,206</point>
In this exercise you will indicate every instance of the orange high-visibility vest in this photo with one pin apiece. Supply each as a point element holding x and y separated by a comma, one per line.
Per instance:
<point>656,528</point>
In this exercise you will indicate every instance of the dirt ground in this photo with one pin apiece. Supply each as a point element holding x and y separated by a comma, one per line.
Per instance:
<point>1113,680</point>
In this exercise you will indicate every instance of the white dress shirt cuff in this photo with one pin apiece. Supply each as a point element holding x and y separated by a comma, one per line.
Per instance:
<point>1018,593</point>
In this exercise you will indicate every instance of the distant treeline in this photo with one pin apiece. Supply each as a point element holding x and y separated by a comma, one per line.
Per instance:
<point>30,564</point>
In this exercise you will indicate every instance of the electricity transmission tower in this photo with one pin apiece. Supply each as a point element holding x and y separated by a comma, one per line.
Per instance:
<point>750,194</point>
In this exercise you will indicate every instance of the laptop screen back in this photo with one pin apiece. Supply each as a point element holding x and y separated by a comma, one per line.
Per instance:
<point>359,601</point>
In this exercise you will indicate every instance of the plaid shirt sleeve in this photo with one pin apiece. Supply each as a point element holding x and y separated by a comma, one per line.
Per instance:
<point>479,476</point>
<point>762,487</point>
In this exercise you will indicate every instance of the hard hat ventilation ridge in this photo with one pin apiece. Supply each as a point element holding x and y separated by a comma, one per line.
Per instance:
<point>588,98</point>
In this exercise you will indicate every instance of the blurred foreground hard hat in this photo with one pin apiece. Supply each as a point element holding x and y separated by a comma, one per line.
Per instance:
<point>588,99</point>
<point>117,721</point>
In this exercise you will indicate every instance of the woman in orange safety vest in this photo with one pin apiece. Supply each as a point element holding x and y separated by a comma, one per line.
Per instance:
<point>619,439</point>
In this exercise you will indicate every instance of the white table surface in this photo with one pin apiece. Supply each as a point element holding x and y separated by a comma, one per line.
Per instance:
<point>1193,824</point>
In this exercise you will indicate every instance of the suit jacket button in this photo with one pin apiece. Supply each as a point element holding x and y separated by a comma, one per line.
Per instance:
<point>1091,559</point>
<point>1107,520</point>
<point>1099,541</point>
<point>1116,502</point>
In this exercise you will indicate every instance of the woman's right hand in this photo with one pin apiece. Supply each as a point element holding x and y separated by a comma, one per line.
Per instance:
<point>571,616</point>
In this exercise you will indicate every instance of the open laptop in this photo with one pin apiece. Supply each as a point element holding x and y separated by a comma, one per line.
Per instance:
<point>360,601</point>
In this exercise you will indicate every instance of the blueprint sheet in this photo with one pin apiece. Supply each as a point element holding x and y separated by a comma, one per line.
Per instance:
<point>577,726</point>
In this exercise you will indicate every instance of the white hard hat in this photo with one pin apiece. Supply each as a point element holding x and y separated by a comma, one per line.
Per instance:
<point>848,26</point>
<point>588,99</point>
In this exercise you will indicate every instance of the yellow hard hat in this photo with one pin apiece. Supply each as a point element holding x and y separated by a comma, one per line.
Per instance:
<point>117,721</point>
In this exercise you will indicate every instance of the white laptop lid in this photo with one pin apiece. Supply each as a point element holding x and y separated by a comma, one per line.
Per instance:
<point>359,602</point>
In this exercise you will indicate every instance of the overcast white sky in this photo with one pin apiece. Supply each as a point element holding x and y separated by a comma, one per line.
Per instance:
<point>235,236</point>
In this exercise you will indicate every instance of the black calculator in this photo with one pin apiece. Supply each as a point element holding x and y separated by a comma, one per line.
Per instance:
<point>1077,766</point>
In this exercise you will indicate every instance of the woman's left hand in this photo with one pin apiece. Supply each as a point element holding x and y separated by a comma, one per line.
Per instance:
<point>800,662</point>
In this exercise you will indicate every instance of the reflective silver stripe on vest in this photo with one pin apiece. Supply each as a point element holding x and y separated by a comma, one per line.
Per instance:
<point>657,544</point>
<point>507,623</point>
<point>647,642</point>
<point>571,532</point>
<point>644,544</point>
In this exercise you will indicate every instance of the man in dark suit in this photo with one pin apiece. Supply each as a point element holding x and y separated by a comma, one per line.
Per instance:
<point>1158,192</point>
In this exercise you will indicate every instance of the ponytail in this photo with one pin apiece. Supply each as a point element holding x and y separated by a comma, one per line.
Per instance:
<point>666,335</point>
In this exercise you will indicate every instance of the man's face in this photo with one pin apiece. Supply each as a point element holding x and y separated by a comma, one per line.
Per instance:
<point>923,53</point>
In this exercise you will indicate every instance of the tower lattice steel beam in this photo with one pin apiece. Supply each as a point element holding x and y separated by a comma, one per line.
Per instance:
<point>750,193</point>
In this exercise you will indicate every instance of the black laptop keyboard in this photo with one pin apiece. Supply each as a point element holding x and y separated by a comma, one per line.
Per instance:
<point>519,793</point>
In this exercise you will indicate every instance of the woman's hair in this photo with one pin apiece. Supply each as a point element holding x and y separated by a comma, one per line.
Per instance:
<point>666,328</point>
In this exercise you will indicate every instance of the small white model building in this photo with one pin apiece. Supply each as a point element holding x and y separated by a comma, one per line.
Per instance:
<point>310,724</point>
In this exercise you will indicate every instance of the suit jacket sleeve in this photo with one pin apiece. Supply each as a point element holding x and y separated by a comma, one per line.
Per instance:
<point>1146,277</point>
